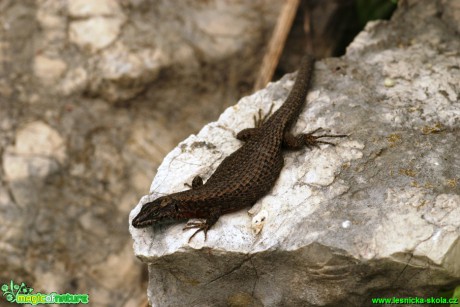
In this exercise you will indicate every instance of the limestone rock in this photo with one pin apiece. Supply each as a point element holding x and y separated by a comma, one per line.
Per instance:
<point>75,80</point>
<point>48,69</point>
<point>60,77</point>
<point>38,151</point>
<point>89,8</point>
<point>95,33</point>
<point>124,73</point>
<point>375,216</point>
<point>97,23</point>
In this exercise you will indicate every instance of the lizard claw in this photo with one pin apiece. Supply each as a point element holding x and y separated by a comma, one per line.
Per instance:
<point>202,226</point>
<point>261,119</point>
<point>311,140</point>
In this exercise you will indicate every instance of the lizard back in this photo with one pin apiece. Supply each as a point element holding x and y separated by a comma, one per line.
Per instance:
<point>250,172</point>
<point>244,176</point>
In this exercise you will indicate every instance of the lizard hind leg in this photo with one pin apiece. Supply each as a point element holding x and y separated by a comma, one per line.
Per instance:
<point>259,120</point>
<point>309,140</point>
<point>196,182</point>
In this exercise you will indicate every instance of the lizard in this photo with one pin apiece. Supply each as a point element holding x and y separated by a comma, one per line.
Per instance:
<point>247,174</point>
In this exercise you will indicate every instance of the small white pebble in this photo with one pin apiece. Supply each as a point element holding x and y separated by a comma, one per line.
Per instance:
<point>258,221</point>
<point>346,224</point>
<point>389,82</point>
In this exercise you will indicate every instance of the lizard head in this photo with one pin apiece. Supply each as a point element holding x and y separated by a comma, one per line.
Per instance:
<point>162,209</point>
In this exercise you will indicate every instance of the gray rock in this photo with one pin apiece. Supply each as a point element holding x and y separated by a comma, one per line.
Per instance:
<point>71,162</point>
<point>95,33</point>
<point>376,216</point>
<point>97,23</point>
<point>48,70</point>
<point>39,150</point>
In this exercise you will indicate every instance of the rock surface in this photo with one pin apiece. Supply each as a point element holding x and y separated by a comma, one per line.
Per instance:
<point>93,94</point>
<point>376,216</point>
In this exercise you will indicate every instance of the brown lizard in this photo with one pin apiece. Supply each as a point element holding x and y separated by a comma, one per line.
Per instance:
<point>244,176</point>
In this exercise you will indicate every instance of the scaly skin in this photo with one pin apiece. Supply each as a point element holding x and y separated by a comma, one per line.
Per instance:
<point>247,174</point>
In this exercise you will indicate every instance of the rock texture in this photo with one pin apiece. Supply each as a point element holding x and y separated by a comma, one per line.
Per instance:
<point>376,216</point>
<point>93,94</point>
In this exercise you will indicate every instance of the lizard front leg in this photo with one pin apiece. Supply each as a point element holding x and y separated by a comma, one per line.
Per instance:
<point>309,140</point>
<point>196,182</point>
<point>203,226</point>
<point>259,120</point>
